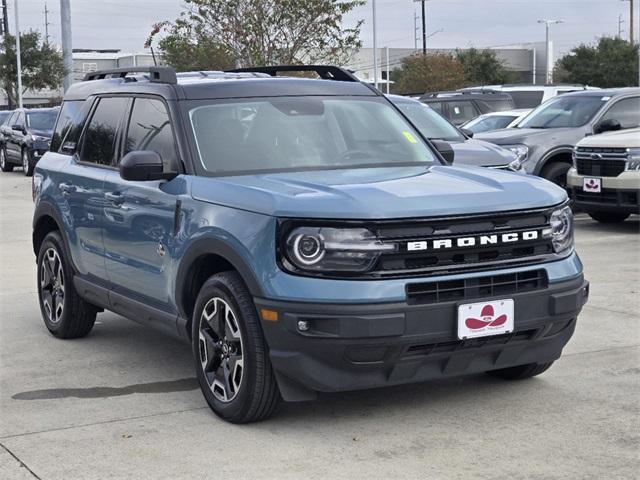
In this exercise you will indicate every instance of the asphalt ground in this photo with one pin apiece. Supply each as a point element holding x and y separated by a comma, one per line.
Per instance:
<point>123,402</point>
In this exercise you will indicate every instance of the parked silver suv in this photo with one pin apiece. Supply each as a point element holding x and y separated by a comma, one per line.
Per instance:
<point>544,140</point>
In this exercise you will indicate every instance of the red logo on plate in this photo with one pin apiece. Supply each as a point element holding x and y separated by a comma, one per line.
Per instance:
<point>487,319</point>
<point>591,184</point>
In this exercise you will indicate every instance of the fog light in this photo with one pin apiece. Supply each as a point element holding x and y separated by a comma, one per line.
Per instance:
<point>303,325</point>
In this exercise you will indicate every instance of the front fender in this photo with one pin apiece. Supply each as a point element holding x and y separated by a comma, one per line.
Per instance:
<point>562,149</point>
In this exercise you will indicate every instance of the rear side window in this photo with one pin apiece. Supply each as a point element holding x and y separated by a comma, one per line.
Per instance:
<point>526,98</point>
<point>460,112</point>
<point>150,129</point>
<point>67,118</point>
<point>98,145</point>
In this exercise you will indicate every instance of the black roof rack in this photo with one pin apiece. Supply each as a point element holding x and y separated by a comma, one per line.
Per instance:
<point>156,74</point>
<point>326,72</point>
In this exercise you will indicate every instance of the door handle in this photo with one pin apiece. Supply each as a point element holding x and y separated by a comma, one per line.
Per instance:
<point>67,189</point>
<point>114,197</point>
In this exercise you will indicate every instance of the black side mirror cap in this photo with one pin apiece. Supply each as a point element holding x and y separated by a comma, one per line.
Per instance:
<point>143,166</point>
<point>445,149</point>
<point>18,128</point>
<point>467,132</point>
<point>609,125</point>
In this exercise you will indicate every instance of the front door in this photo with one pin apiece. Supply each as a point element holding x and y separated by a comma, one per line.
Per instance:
<point>139,216</point>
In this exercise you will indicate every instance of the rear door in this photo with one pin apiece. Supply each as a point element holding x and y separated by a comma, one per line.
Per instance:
<point>15,137</point>
<point>139,216</point>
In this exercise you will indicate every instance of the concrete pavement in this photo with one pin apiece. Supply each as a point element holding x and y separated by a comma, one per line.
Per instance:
<point>123,402</point>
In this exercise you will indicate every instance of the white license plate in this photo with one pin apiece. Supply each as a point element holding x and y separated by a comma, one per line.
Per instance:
<point>592,185</point>
<point>483,319</point>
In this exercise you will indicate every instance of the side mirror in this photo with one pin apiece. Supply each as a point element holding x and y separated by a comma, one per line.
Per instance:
<point>444,149</point>
<point>142,166</point>
<point>18,128</point>
<point>609,125</point>
<point>467,132</point>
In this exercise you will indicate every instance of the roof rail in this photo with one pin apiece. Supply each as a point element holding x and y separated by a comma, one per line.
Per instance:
<point>326,72</point>
<point>156,74</point>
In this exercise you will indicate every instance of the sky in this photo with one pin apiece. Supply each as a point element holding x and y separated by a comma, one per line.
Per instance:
<point>125,24</point>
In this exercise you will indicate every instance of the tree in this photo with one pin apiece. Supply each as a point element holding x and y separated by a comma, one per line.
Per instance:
<point>211,33</point>
<point>42,65</point>
<point>612,62</point>
<point>482,67</point>
<point>425,73</point>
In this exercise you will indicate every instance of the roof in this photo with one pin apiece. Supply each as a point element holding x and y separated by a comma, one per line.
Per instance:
<point>606,92</point>
<point>212,85</point>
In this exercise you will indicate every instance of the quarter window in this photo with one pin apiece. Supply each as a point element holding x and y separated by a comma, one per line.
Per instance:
<point>98,145</point>
<point>150,129</point>
<point>461,112</point>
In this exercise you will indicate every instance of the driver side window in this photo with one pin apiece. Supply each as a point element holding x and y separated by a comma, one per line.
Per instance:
<point>626,111</point>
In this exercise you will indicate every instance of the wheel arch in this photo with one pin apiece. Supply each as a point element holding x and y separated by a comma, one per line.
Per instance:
<point>45,219</point>
<point>206,257</point>
<point>558,154</point>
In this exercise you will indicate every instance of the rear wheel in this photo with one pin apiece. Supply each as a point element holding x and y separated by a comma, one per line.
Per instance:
<point>5,166</point>
<point>27,167</point>
<point>65,313</point>
<point>607,217</point>
<point>230,353</point>
<point>521,371</point>
<point>557,173</point>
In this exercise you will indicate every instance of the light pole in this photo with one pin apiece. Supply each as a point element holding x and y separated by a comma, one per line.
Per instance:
<point>67,50</point>
<point>18,59</point>
<point>375,46</point>
<point>631,21</point>
<point>549,54</point>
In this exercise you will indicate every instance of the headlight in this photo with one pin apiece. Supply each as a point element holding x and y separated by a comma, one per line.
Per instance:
<point>38,138</point>
<point>561,229</point>
<point>633,159</point>
<point>521,152</point>
<point>339,250</point>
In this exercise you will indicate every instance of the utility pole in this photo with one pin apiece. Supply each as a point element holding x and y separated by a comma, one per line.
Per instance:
<point>67,51</point>
<point>46,23</point>
<point>5,18</point>
<point>375,46</point>
<point>424,29</point>
<point>620,22</point>
<point>415,30</point>
<point>18,59</point>
<point>548,48</point>
<point>632,37</point>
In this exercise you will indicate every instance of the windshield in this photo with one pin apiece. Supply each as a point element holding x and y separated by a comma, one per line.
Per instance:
<point>303,133</point>
<point>42,120</point>
<point>564,111</point>
<point>430,123</point>
<point>489,122</point>
<point>526,98</point>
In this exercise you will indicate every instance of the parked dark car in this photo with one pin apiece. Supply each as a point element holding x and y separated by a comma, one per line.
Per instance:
<point>26,136</point>
<point>466,150</point>
<point>460,107</point>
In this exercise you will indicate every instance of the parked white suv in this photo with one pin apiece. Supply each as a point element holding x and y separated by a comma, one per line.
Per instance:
<point>530,96</point>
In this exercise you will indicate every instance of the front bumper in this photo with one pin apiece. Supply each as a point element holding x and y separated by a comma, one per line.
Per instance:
<point>351,347</point>
<point>619,194</point>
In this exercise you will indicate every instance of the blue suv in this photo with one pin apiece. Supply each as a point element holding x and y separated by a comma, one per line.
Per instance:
<point>301,233</point>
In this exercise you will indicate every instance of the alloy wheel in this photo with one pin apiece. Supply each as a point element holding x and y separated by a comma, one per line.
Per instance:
<point>52,285</point>
<point>221,349</point>
<point>25,161</point>
<point>3,159</point>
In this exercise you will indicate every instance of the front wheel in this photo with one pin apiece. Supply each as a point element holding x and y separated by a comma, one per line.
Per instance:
<point>521,371</point>
<point>5,166</point>
<point>27,166</point>
<point>230,353</point>
<point>606,217</point>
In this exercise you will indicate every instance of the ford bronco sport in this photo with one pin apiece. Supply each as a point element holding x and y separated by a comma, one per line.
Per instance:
<point>300,233</point>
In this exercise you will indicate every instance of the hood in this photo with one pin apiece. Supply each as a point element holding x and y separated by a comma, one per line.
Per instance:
<point>380,193</point>
<point>529,136</point>
<point>481,154</point>
<point>619,139</point>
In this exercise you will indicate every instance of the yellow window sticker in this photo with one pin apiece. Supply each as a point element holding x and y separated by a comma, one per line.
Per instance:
<point>410,137</point>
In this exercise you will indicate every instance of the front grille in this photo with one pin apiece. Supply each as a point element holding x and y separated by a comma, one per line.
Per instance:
<point>479,287</point>
<point>457,258</point>
<point>601,162</point>
<point>452,346</point>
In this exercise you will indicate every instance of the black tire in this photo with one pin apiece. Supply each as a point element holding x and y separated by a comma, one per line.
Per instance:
<point>77,317</point>
<point>608,217</point>
<point>557,173</point>
<point>521,371</point>
<point>5,165</point>
<point>27,164</point>
<point>257,395</point>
